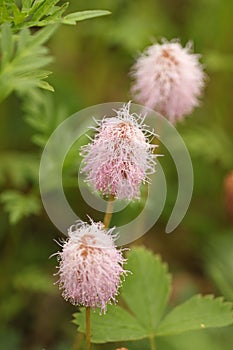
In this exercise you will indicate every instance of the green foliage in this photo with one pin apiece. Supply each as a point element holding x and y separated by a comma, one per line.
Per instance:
<point>43,114</point>
<point>75,17</point>
<point>39,13</point>
<point>24,54</point>
<point>195,340</point>
<point>19,205</point>
<point>145,296</point>
<point>91,66</point>
<point>148,274</point>
<point>132,25</point>
<point>196,313</point>
<point>116,325</point>
<point>192,340</point>
<point>23,60</point>
<point>18,169</point>
<point>34,279</point>
<point>210,143</point>
<point>218,259</point>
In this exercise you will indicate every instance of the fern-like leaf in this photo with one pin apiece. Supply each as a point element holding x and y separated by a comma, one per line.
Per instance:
<point>23,59</point>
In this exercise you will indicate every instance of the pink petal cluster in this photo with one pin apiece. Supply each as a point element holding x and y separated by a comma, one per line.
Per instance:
<point>90,266</point>
<point>169,79</point>
<point>120,157</point>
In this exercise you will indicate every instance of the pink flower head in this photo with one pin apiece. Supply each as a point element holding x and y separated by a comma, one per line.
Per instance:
<point>120,157</point>
<point>169,79</point>
<point>90,266</point>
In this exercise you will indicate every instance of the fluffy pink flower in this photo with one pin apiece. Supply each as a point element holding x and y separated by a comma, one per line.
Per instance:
<point>120,157</point>
<point>169,79</point>
<point>90,266</point>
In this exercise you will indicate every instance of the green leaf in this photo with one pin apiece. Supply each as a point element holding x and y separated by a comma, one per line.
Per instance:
<point>192,340</point>
<point>18,169</point>
<point>7,42</point>
<point>26,5</point>
<point>117,324</point>
<point>24,37</point>
<point>43,9</point>
<point>19,205</point>
<point>43,35</point>
<point>145,294</point>
<point>23,72</point>
<point>35,5</point>
<point>18,16</point>
<point>72,18</point>
<point>4,15</point>
<point>45,85</point>
<point>146,291</point>
<point>196,313</point>
<point>43,114</point>
<point>55,16</point>
<point>41,13</point>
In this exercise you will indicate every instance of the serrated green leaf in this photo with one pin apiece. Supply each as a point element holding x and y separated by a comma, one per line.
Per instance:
<point>145,294</point>
<point>196,313</point>
<point>23,53</point>
<point>18,16</point>
<point>43,9</point>
<point>7,44</point>
<point>43,35</point>
<point>26,5</point>
<point>44,115</point>
<point>24,72</point>
<point>117,324</point>
<point>138,321</point>
<point>55,16</point>
<point>35,5</point>
<point>72,18</point>
<point>42,13</point>
<point>4,15</point>
<point>27,66</point>
<point>19,205</point>
<point>146,291</point>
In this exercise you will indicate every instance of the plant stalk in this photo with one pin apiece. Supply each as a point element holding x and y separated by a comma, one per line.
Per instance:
<point>152,343</point>
<point>108,214</point>
<point>88,327</point>
<point>107,219</point>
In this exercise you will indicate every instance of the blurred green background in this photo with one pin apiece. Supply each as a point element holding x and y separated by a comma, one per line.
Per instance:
<point>91,65</point>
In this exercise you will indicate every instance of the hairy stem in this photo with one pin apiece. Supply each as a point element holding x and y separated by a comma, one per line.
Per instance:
<point>108,214</point>
<point>88,327</point>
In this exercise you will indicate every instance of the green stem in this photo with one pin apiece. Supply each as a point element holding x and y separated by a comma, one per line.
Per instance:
<point>152,343</point>
<point>108,215</point>
<point>88,327</point>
